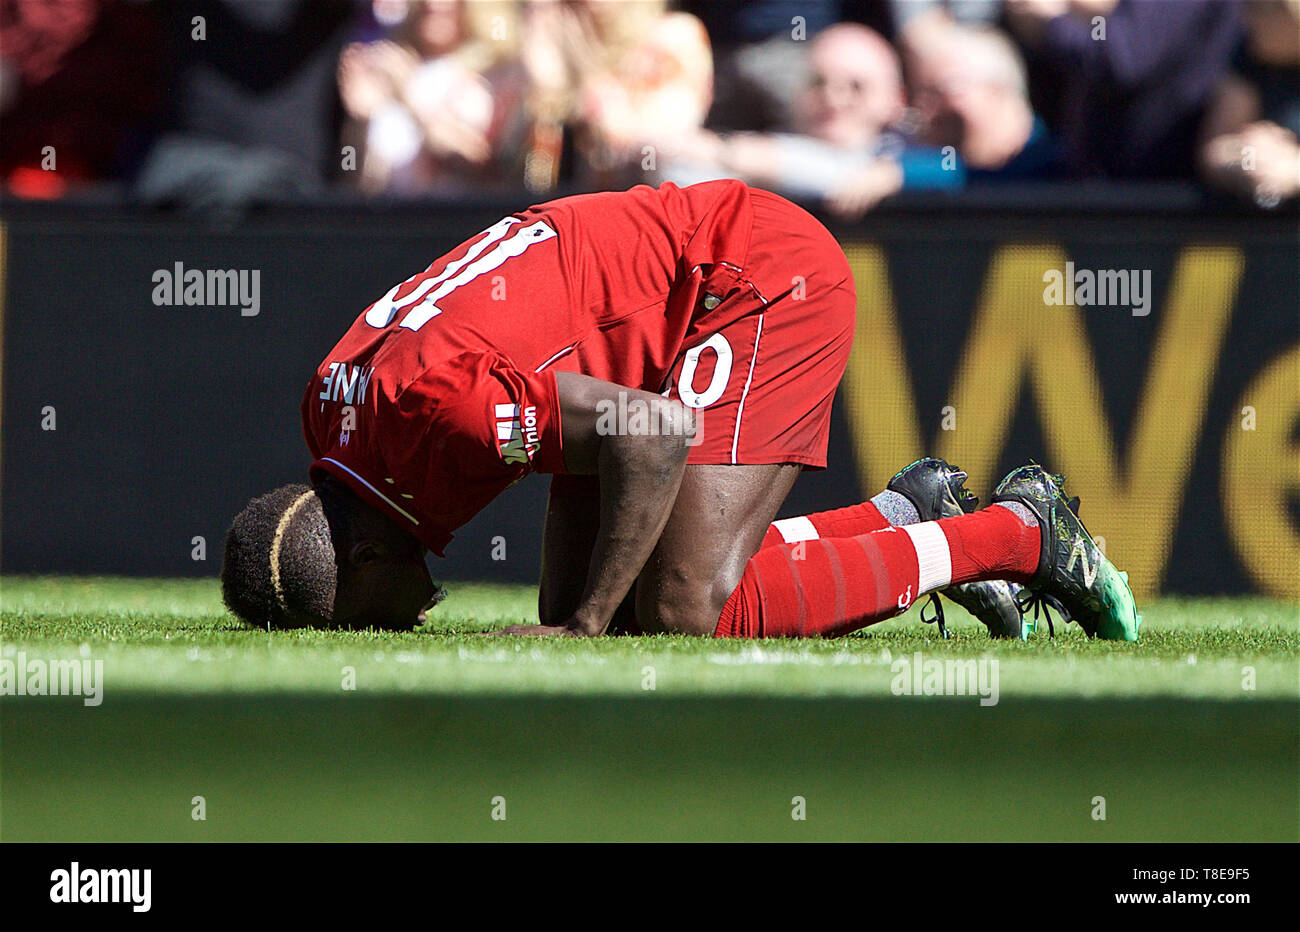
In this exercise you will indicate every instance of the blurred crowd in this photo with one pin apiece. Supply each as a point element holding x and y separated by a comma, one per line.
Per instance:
<point>222,104</point>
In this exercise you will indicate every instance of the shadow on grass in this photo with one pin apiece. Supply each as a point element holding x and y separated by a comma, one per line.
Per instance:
<point>605,769</point>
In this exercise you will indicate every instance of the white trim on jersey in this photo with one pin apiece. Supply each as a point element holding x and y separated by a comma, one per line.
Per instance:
<point>392,504</point>
<point>566,350</point>
<point>740,410</point>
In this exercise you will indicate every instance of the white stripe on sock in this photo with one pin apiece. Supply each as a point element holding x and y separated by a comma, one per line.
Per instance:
<point>932,555</point>
<point>793,530</point>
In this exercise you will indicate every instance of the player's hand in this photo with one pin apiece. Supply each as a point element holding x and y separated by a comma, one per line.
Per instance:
<point>536,631</point>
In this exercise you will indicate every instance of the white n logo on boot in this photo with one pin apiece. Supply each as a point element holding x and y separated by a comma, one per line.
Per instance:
<point>1079,553</point>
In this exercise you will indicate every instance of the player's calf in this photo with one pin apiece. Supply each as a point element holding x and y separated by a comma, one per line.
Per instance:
<point>926,490</point>
<point>829,587</point>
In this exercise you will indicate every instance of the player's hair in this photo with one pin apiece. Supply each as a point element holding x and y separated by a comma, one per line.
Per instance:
<point>280,569</point>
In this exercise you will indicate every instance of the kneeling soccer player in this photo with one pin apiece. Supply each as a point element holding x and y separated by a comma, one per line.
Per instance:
<point>670,356</point>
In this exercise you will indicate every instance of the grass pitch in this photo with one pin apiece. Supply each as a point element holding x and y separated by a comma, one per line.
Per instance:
<point>1192,734</point>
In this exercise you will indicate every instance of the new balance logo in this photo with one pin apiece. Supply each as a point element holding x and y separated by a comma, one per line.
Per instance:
<point>517,438</point>
<point>1079,554</point>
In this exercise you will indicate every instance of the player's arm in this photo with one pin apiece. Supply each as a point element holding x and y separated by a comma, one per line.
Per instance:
<point>639,473</point>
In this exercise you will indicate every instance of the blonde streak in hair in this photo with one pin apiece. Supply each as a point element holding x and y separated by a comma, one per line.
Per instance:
<point>277,541</point>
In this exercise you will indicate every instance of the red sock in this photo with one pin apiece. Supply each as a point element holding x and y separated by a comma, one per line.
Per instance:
<point>832,586</point>
<point>842,522</point>
<point>996,546</point>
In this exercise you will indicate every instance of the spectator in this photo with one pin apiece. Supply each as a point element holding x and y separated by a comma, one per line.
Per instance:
<point>1132,101</point>
<point>760,63</point>
<point>253,108</point>
<point>438,102</point>
<point>760,59</point>
<point>969,92</point>
<point>1253,124</point>
<point>67,106</point>
<point>840,150</point>
<point>618,72</point>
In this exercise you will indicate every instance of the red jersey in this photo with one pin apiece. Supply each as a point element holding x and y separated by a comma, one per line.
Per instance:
<point>443,392</point>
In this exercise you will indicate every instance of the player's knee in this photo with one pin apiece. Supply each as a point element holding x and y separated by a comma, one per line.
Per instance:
<point>682,605</point>
<point>695,618</point>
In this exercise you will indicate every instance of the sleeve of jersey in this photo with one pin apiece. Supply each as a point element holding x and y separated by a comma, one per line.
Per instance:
<point>480,424</point>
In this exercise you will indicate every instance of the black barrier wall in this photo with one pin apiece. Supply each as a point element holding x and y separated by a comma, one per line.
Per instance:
<point>135,425</point>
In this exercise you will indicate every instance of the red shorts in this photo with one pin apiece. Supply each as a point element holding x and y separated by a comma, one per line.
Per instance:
<point>762,386</point>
